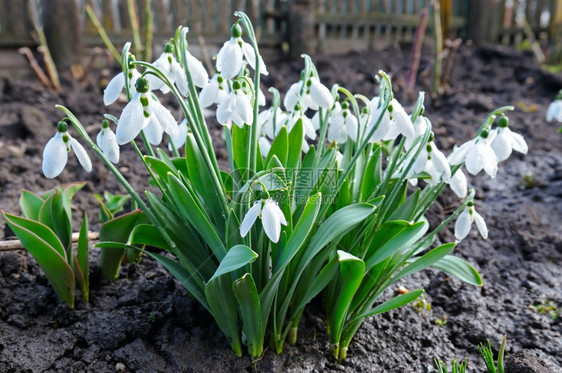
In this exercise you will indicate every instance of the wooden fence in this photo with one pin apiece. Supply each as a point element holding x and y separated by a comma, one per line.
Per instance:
<point>330,26</point>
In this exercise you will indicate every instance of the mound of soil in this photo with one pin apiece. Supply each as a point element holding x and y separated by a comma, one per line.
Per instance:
<point>146,322</point>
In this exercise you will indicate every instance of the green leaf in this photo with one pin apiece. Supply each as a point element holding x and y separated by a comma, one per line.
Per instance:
<point>82,263</point>
<point>407,210</point>
<point>240,147</point>
<point>53,215</point>
<point>148,234</point>
<point>352,270</point>
<point>68,192</point>
<point>46,248</point>
<point>237,257</point>
<point>30,204</point>
<point>372,174</point>
<point>391,304</point>
<point>224,308</point>
<point>246,294</point>
<point>295,145</point>
<point>279,147</point>
<point>160,167</point>
<point>459,268</point>
<point>118,230</point>
<point>427,260</point>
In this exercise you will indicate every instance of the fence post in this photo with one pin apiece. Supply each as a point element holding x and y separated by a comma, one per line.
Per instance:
<point>301,27</point>
<point>555,19</point>
<point>483,20</point>
<point>62,27</point>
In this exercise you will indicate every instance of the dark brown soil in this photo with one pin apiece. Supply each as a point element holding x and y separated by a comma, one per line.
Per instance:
<point>145,321</point>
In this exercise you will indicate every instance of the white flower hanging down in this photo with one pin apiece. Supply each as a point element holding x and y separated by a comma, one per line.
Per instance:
<point>172,69</point>
<point>271,217</point>
<point>107,142</point>
<point>315,95</point>
<point>554,111</point>
<point>343,124</point>
<point>231,55</point>
<point>477,155</point>
<point>506,141</point>
<point>464,223</point>
<point>235,107</point>
<point>179,141</point>
<point>214,92</point>
<point>145,112</point>
<point>116,85</point>
<point>55,154</point>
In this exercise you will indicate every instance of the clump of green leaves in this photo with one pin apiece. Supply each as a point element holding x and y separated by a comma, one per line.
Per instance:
<point>45,231</point>
<point>456,367</point>
<point>488,356</point>
<point>546,307</point>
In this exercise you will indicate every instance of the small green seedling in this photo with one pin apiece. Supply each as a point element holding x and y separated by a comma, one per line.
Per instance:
<point>488,356</point>
<point>456,367</point>
<point>442,320</point>
<point>111,204</point>
<point>421,304</point>
<point>45,230</point>
<point>546,307</point>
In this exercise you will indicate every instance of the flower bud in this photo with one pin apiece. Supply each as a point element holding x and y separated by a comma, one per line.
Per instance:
<point>236,30</point>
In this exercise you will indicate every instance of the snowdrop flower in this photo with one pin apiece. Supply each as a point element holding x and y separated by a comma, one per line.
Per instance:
<point>464,223</point>
<point>308,128</point>
<point>420,126</point>
<point>271,121</point>
<point>214,92</point>
<point>107,142</point>
<point>554,111</point>
<point>477,154</point>
<point>459,184</point>
<point>179,141</point>
<point>343,124</point>
<point>144,111</point>
<point>236,107</point>
<point>271,216</point>
<point>395,121</point>
<point>506,141</point>
<point>172,69</point>
<point>434,162</point>
<point>265,146</point>
<point>384,124</point>
<point>231,55</point>
<point>315,95</point>
<point>55,154</point>
<point>116,85</point>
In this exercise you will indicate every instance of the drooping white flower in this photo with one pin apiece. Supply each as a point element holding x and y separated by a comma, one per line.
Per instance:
<point>235,107</point>
<point>144,111</point>
<point>506,141</point>
<point>459,184</point>
<point>55,154</point>
<point>196,70</point>
<point>434,162</point>
<point>384,124</point>
<point>271,121</point>
<point>308,129</point>
<point>271,216</point>
<point>554,111</point>
<point>231,55</point>
<point>265,146</point>
<point>464,223</point>
<point>107,142</point>
<point>315,95</point>
<point>214,92</point>
<point>116,85</point>
<point>420,127</point>
<point>179,141</point>
<point>168,65</point>
<point>343,125</point>
<point>477,155</point>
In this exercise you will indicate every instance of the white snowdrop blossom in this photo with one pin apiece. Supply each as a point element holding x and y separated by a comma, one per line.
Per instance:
<point>315,95</point>
<point>168,64</point>
<point>271,217</point>
<point>116,85</point>
<point>271,121</point>
<point>233,52</point>
<point>554,111</point>
<point>434,162</point>
<point>308,128</point>
<point>384,124</point>
<point>477,155</point>
<point>343,125</point>
<point>235,107</point>
<point>464,223</point>
<point>459,184</point>
<point>55,154</point>
<point>145,112</point>
<point>214,92</point>
<point>506,141</point>
<point>265,146</point>
<point>179,141</point>
<point>107,142</point>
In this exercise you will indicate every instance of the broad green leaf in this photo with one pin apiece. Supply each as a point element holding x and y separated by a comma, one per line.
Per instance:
<point>391,304</point>
<point>224,308</point>
<point>30,204</point>
<point>406,210</point>
<point>391,237</point>
<point>295,145</point>
<point>237,257</point>
<point>68,192</point>
<point>187,279</point>
<point>372,174</point>
<point>459,268</point>
<point>160,167</point>
<point>240,146</point>
<point>46,248</point>
<point>148,234</point>
<point>352,270</point>
<point>279,147</point>
<point>117,230</point>
<point>427,260</point>
<point>250,311</point>
<point>53,215</point>
<point>82,259</point>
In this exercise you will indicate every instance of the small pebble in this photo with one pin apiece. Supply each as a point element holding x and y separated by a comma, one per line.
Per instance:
<point>120,367</point>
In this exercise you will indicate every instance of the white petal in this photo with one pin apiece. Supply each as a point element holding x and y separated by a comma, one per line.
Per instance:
<point>55,156</point>
<point>502,146</point>
<point>462,225</point>
<point>474,160</point>
<point>166,119</point>
<point>108,144</point>
<point>352,127</point>
<point>131,122</point>
<point>209,93</point>
<point>308,128</point>
<point>490,161</point>
<point>320,94</point>
<point>244,108</point>
<point>265,146</point>
<point>459,184</point>
<point>271,220</point>
<point>402,120</point>
<point>292,96</point>
<point>224,112</point>
<point>554,111</point>
<point>113,89</point>
<point>383,127</point>
<point>81,154</point>
<point>518,143</point>
<point>440,162</point>
<point>458,155</point>
<point>154,131</point>
<point>229,59</point>
<point>480,224</point>
<point>250,219</point>
<point>250,56</point>
<point>197,71</point>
